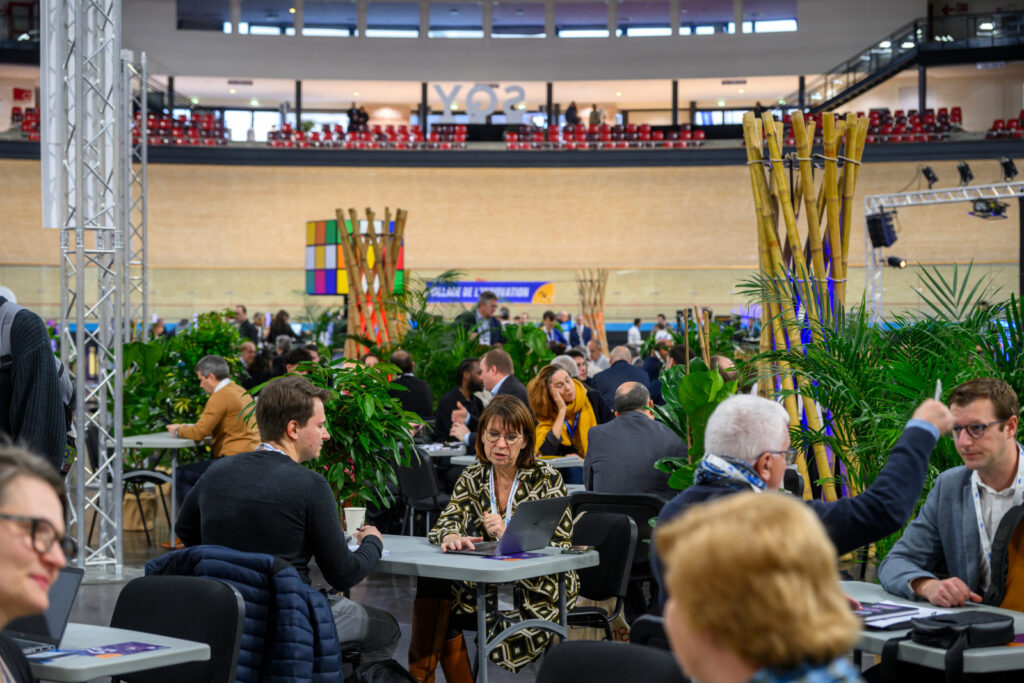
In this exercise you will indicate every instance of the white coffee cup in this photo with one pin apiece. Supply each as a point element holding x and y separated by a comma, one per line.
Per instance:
<point>354,518</point>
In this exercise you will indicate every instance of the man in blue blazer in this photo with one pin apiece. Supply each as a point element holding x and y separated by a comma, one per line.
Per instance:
<point>959,518</point>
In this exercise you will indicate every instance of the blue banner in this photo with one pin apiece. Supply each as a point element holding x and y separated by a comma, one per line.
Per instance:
<point>508,292</point>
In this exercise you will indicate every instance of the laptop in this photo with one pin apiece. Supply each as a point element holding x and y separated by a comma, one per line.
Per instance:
<point>42,632</point>
<point>530,528</point>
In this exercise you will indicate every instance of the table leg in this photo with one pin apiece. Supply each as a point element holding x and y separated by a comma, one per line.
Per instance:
<point>174,494</point>
<point>481,632</point>
<point>563,612</point>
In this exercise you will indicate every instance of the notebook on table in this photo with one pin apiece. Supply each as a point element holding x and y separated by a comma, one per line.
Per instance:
<point>531,528</point>
<point>42,632</point>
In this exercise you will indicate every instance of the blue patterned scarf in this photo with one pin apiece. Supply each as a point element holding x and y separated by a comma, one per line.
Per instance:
<point>723,471</point>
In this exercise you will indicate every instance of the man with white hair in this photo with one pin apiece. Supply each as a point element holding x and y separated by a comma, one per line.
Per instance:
<point>747,448</point>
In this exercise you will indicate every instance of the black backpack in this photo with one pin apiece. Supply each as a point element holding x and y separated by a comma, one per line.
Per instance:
<point>9,309</point>
<point>387,671</point>
<point>954,632</point>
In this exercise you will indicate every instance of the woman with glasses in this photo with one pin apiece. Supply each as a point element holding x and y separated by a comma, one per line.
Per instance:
<point>32,546</point>
<point>484,500</point>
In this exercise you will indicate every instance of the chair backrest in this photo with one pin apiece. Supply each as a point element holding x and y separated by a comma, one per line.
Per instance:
<point>649,630</point>
<point>193,608</point>
<point>418,481</point>
<point>640,506</point>
<point>608,662</point>
<point>614,536</point>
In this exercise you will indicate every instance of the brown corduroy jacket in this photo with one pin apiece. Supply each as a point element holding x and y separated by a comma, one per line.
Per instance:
<point>222,420</point>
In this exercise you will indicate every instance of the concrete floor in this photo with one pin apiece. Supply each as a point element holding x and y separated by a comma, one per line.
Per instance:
<point>96,599</point>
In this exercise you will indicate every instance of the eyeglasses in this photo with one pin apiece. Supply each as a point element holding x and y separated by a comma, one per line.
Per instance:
<point>788,455</point>
<point>975,431</point>
<point>493,436</point>
<point>44,535</point>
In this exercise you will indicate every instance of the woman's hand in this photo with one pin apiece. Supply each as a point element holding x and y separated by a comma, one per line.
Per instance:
<point>495,525</point>
<point>557,397</point>
<point>456,542</point>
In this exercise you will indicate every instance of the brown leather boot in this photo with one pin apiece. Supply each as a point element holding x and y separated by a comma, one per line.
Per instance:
<point>429,626</point>
<point>455,661</point>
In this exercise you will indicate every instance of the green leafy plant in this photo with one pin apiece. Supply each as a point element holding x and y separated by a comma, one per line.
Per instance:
<point>370,433</point>
<point>528,347</point>
<point>689,401</point>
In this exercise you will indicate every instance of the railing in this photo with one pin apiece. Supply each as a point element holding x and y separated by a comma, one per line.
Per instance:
<point>902,45</point>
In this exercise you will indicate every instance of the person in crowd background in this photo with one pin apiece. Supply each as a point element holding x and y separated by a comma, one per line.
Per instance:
<point>571,367</point>
<point>764,566</point>
<point>598,361</point>
<point>33,546</point>
<point>369,359</point>
<point>462,397</point>
<point>496,371</point>
<point>564,414</point>
<point>633,337</point>
<point>280,327</point>
<point>246,329</point>
<point>417,398</point>
<point>621,370</point>
<point>481,324</point>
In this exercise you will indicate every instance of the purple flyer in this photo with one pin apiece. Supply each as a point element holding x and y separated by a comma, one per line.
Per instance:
<point>515,556</point>
<point>119,649</point>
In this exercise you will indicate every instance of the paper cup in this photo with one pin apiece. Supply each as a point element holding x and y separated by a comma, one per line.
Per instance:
<point>354,518</point>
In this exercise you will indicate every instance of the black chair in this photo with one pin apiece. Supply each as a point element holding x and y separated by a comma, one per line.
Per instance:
<point>642,507</point>
<point>604,662</point>
<point>649,630</point>
<point>133,480</point>
<point>614,536</point>
<point>189,607</point>
<point>418,484</point>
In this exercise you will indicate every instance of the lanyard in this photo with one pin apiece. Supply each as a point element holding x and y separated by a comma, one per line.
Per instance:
<point>1018,498</point>
<point>511,496</point>
<point>571,429</point>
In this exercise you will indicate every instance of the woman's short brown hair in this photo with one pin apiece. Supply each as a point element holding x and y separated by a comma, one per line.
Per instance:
<point>18,462</point>
<point>541,403</point>
<point>757,572</point>
<point>283,400</point>
<point>517,418</point>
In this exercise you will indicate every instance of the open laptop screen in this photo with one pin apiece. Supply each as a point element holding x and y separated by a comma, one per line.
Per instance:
<point>49,626</point>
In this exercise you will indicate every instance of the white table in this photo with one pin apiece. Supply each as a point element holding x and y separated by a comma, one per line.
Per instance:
<point>414,556</point>
<point>559,463</point>
<point>85,668</point>
<point>976,660</point>
<point>163,441</point>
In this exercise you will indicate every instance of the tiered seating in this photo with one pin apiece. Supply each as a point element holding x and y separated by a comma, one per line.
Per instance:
<point>1007,128</point>
<point>28,122</point>
<point>584,137</point>
<point>912,126</point>
<point>202,130</point>
<point>369,137</point>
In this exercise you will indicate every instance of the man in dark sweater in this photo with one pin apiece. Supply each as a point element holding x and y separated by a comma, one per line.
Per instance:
<point>31,409</point>
<point>468,381</point>
<point>746,444</point>
<point>618,373</point>
<point>267,502</point>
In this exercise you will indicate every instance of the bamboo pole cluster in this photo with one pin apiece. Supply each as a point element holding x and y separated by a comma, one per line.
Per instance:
<point>817,263</point>
<point>371,262</point>
<point>591,285</point>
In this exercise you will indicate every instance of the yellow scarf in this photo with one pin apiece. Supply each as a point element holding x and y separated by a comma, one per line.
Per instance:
<point>579,412</point>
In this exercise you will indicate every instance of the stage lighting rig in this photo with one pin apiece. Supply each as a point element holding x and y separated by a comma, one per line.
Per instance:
<point>1009,169</point>
<point>929,175</point>
<point>988,209</point>
<point>966,176</point>
<point>897,262</point>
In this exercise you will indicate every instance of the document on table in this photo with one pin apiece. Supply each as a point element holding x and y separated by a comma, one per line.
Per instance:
<point>354,548</point>
<point>887,614</point>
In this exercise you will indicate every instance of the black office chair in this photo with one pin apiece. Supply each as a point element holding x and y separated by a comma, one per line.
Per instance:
<point>132,479</point>
<point>642,507</point>
<point>604,662</point>
<point>614,537</point>
<point>649,630</point>
<point>189,607</point>
<point>418,484</point>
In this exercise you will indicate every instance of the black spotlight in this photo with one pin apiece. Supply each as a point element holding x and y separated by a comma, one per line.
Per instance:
<point>897,262</point>
<point>881,229</point>
<point>965,173</point>
<point>988,209</point>
<point>929,175</point>
<point>1009,169</point>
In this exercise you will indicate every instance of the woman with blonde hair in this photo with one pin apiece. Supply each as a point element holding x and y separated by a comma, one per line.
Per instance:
<point>564,412</point>
<point>754,594</point>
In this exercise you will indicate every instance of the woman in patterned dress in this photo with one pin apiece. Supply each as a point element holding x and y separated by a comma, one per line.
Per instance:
<point>485,497</point>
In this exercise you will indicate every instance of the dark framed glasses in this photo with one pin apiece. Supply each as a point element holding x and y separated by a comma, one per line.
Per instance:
<point>975,431</point>
<point>44,535</point>
<point>492,436</point>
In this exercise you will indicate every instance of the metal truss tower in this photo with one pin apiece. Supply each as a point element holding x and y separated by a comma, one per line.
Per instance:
<point>95,196</point>
<point>874,260</point>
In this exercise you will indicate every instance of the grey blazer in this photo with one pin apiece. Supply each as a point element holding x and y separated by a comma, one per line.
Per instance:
<point>945,529</point>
